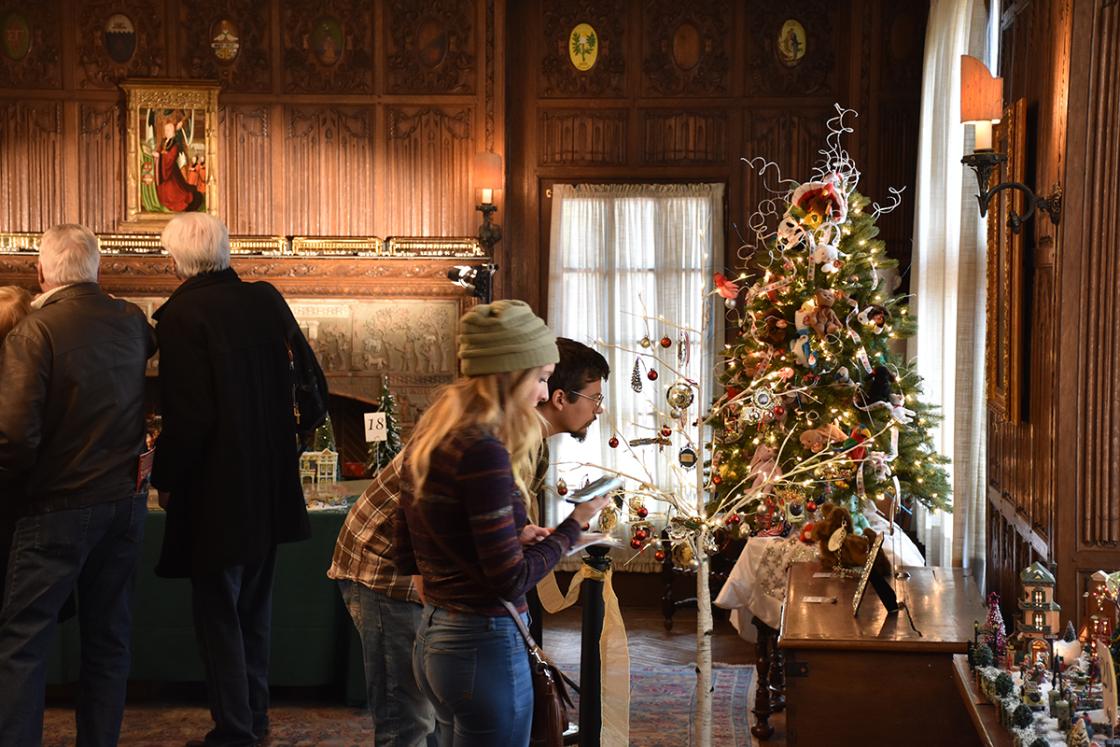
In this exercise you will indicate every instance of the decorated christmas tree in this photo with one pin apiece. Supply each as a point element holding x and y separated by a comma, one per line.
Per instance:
<point>996,632</point>
<point>813,374</point>
<point>382,452</point>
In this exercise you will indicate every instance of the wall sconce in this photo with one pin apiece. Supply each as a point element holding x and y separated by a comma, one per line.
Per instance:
<point>982,106</point>
<point>478,279</point>
<point>488,173</point>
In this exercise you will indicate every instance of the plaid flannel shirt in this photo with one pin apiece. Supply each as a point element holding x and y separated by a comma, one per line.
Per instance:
<point>364,550</point>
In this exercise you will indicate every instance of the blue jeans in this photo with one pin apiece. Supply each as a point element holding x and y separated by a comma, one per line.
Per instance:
<point>402,716</point>
<point>475,670</point>
<point>233,622</point>
<point>94,549</point>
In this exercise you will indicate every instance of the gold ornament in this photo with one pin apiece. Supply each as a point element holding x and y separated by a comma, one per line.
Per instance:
<point>608,519</point>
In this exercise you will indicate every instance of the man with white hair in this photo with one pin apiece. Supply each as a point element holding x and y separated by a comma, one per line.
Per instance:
<point>227,463</point>
<point>71,436</point>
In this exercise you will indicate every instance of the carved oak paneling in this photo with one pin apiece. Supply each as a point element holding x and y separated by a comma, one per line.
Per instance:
<point>430,46</point>
<point>671,136</point>
<point>903,39</point>
<point>898,158</point>
<point>227,41</point>
<point>582,137</point>
<point>812,68</point>
<point>559,77</point>
<point>686,48</point>
<point>29,57</point>
<point>246,159</point>
<point>100,165</point>
<point>430,162</point>
<point>328,153</point>
<point>327,46</point>
<point>31,165</point>
<point>120,39</point>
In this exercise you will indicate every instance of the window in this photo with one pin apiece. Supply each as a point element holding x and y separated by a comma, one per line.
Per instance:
<point>1039,621</point>
<point>618,253</point>
<point>1039,597</point>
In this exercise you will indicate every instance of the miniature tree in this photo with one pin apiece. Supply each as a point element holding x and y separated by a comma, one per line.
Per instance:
<point>1023,716</point>
<point>1039,742</point>
<point>382,452</point>
<point>1078,736</point>
<point>997,633</point>
<point>1004,684</point>
<point>983,655</point>
<point>811,371</point>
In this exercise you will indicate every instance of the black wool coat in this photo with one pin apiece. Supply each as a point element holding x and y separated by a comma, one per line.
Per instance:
<point>227,450</point>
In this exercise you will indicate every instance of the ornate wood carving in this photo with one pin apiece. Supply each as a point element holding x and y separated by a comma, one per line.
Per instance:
<point>31,151</point>
<point>815,72</point>
<point>33,35</point>
<point>490,91</point>
<point>903,39</point>
<point>100,165</point>
<point>107,54</point>
<point>897,158</point>
<point>671,136</point>
<point>608,76</point>
<point>430,46</point>
<point>686,48</point>
<point>327,46</point>
<point>429,171</point>
<point>247,161</point>
<point>329,156</point>
<point>227,41</point>
<point>582,137</point>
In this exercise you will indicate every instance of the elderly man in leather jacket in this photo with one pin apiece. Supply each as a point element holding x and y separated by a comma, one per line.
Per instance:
<point>71,436</point>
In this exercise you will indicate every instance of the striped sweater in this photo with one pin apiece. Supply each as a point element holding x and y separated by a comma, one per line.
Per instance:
<point>471,501</point>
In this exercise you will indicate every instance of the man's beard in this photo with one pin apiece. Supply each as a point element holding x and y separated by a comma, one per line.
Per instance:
<point>579,435</point>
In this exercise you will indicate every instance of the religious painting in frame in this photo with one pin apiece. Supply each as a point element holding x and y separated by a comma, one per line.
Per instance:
<point>1004,340</point>
<point>172,151</point>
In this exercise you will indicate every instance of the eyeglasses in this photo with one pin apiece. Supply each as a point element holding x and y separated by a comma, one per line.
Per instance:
<point>597,399</point>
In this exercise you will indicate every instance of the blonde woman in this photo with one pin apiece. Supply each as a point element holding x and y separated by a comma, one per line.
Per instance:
<point>15,304</point>
<point>462,525</point>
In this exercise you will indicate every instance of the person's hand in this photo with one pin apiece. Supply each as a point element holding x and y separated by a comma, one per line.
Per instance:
<point>164,499</point>
<point>583,512</point>
<point>418,583</point>
<point>531,534</point>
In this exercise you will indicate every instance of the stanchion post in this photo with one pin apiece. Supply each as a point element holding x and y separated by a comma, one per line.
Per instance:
<point>590,671</point>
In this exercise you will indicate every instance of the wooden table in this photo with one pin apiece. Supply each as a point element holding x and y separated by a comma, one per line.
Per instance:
<point>872,679</point>
<point>984,714</point>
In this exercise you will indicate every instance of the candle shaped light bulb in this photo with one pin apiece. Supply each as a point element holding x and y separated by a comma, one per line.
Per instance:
<point>983,135</point>
<point>488,194</point>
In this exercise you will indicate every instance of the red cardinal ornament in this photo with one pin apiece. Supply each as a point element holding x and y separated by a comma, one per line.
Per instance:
<point>725,287</point>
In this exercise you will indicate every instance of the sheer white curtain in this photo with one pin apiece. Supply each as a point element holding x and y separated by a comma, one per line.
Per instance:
<point>619,253</point>
<point>948,281</point>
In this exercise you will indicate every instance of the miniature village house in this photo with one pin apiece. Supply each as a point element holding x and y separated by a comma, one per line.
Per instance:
<point>1039,623</point>
<point>1099,616</point>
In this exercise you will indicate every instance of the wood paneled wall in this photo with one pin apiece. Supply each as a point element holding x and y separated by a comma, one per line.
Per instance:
<point>377,137</point>
<point>1053,489</point>
<point>682,90</point>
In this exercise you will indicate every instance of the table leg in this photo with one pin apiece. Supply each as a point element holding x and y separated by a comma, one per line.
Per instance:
<point>765,649</point>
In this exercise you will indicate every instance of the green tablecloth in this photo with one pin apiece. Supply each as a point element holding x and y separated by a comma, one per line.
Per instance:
<point>313,640</point>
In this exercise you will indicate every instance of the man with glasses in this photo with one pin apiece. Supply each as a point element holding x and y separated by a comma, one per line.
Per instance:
<point>575,399</point>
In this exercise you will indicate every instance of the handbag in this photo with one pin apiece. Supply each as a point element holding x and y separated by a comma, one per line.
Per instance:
<point>551,700</point>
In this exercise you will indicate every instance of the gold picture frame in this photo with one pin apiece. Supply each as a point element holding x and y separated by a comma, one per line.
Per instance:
<point>1004,339</point>
<point>171,136</point>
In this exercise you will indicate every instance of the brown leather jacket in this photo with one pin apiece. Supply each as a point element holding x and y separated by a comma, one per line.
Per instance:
<point>72,400</point>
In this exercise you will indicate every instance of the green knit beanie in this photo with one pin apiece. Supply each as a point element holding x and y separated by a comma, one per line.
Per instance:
<point>504,336</point>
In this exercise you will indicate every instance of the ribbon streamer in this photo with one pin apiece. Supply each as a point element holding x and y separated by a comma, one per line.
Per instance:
<point>614,650</point>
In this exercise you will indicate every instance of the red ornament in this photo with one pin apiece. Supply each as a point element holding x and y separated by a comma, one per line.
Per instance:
<point>811,505</point>
<point>666,431</point>
<point>716,479</point>
<point>561,488</point>
<point>651,375</point>
<point>660,556</point>
<point>636,543</point>
<point>665,342</point>
<point>613,443</point>
<point>642,512</point>
<point>733,519</point>
<point>642,534</point>
<point>779,411</point>
<point>807,532</point>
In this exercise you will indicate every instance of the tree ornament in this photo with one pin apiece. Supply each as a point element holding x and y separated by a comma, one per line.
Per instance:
<point>642,512</point>
<point>779,411</point>
<point>666,431</point>
<point>665,341</point>
<point>733,519</point>
<point>660,556</point>
<point>680,395</point>
<point>561,487</point>
<point>716,479</point>
<point>636,543</point>
<point>651,375</point>
<point>687,457</point>
<point>613,442</point>
<point>811,505</point>
<point>645,342</point>
<point>636,376</point>
<point>675,414</point>
<point>729,303</point>
<point>642,534</point>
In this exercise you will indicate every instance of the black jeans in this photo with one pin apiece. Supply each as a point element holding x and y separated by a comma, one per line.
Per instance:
<point>95,550</point>
<point>233,621</point>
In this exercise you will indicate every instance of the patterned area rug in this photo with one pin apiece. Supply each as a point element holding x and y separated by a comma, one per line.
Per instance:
<point>663,699</point>
<point>661,706</point>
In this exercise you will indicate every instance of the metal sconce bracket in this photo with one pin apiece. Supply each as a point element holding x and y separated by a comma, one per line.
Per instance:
<point>983,163</point>
<point>489,233</point>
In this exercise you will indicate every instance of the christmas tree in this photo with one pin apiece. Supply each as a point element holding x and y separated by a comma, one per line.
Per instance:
<point>382,452</point>
<point>812,376</point>
<point>997,633</point>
